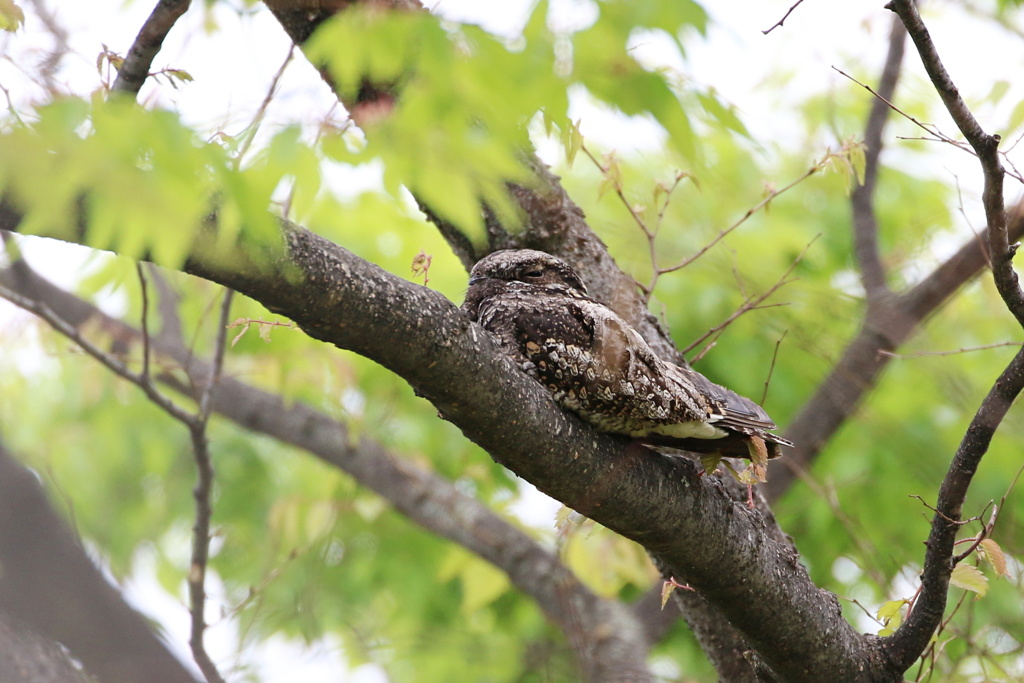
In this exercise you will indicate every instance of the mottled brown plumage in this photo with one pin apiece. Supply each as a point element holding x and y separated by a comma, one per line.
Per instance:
<point>596,365</point>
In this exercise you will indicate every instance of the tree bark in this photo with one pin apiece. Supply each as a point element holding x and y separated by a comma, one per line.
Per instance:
<point>27,657</point>
<point>49,584</point>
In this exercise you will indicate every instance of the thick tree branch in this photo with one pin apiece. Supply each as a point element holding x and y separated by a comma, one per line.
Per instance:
<point>659,502</point>
<point>49,583</point>
<point>615,653</point>
<point>27,657</point>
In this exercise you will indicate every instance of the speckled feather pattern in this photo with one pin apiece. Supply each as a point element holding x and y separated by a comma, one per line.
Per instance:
<point>596,365</point>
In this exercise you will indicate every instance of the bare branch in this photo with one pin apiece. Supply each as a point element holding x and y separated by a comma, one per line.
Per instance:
<point>139,60</point>
<point>249,135</point>
<point>913,636</point>
<point>937,135</point>
<point>769,196</point>
<point>781,21</point>
<point>906,644</point>
<point>865,223</point>
<point>110,362</point>
<point>920,354</point>
<point>611,177</point>
<point>144,320</point>
<point>204,509</point>
<point>771,368</point>
<point>987,148</point>
<point>168,298</point>
<point>752,303</point>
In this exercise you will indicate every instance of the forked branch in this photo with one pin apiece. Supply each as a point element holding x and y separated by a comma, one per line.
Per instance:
<point>910,640</point>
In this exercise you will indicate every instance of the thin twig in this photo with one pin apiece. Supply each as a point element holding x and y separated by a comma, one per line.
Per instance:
<point>703,352</point>
<point>771,368</point>
<point>220,346</point>
<point>167,307</point>
<point>959,522</point>
<point>110,362</point>
<point>939,136</point>
<point>869,613</point>
<point>249,133</point>
<point>617,186</point>
<point>919,354</point>
<point>750,305</point>
<point>144,321</point>
<point>204,509</point>
<point>781,21</point>
<point>753,303</point>
<point>722,234</point>
<point>975,542</point>
<point>650,234</point>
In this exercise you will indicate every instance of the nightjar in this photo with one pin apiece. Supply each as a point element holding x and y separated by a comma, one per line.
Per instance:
<point>597,366</point>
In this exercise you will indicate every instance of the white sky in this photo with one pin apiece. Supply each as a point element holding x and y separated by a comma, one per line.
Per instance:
<point>235,65</point>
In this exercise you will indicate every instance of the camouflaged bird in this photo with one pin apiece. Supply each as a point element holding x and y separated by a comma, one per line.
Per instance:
<point>596,365</point>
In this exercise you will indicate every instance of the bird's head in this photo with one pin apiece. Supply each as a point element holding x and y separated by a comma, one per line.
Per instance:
<point>528,266</point>
<point>519,269</point>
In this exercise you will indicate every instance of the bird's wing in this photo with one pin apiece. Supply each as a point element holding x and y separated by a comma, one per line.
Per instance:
<point>732,411</point>
<point>598,366</point>
<point>728,407</point>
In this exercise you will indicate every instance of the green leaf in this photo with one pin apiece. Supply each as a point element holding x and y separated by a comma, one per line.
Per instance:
<point>1016,117</point>
<point>482,584</point>
<point>998,91</point>
<point>969,578</point>
<point>891,616</point>
<point>11,16</point>
<point>890,609</point>
<point>724,114</point>
<point>991,551</point>
<point>710,462</point>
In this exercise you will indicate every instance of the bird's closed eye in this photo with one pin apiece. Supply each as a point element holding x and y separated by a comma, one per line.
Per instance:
<point>533,274</point>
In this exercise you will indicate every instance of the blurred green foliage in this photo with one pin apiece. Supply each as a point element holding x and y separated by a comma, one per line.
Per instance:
<point>300,549</point>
